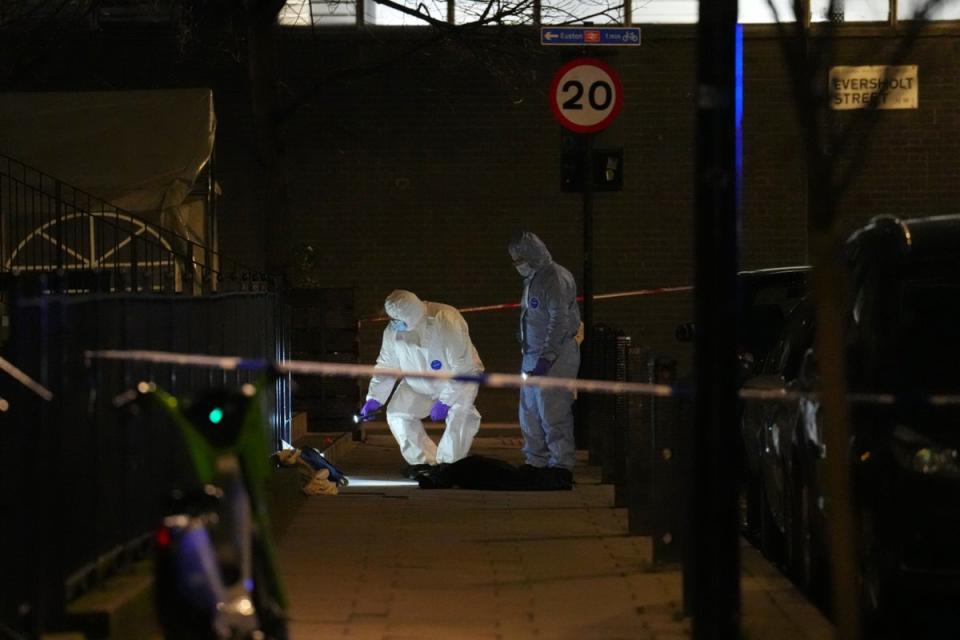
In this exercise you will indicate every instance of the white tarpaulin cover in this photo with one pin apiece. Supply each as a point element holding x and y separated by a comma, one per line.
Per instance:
<point>138,150</point>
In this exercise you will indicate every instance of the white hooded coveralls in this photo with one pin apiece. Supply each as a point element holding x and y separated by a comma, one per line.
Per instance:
<point>549,320</point>
<point>436,339</point>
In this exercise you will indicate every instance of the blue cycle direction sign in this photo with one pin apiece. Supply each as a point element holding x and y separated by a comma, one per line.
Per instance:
<point>593,36</point>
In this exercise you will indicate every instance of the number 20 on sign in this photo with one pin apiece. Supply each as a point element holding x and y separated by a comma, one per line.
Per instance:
<point>586,95</point>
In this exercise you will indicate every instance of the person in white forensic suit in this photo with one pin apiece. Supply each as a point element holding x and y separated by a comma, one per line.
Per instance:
<point>426,336</point>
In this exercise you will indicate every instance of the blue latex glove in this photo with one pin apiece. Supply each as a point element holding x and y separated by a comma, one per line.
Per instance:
<point>369,407</point>
<point>542,367</point>
<point>438,412</point>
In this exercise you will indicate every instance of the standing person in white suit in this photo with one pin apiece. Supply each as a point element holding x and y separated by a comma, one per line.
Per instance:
<point>426,336</point>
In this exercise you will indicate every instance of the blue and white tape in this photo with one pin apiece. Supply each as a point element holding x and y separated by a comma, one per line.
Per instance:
<point>305,367</point>
<point>495,380</point>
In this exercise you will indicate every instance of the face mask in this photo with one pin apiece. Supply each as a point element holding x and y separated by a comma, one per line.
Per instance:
<point>524,269</point>
<point>399,325</point>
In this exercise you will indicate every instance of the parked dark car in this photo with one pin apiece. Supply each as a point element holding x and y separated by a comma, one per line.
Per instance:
<point>768,433</point>
<point>764,298</point>
<point>903,347</point>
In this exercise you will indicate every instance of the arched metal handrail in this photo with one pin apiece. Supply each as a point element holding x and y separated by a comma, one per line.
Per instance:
<point>50,227</point>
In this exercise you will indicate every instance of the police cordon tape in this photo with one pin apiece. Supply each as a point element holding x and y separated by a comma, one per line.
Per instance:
<point>516,305</point>
<point>25,380</point>
<point>495,380</point>
<point>345,370</point>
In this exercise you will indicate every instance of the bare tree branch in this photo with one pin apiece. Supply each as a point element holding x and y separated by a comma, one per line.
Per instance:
<point>444,32</point>
<point>828,148</point>
<point>26,15</point>
<point>857,136</point>
<point>416,13</point>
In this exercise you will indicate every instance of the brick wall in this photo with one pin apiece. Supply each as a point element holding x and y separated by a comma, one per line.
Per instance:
<point>416,176</point>
<point>410,167</point>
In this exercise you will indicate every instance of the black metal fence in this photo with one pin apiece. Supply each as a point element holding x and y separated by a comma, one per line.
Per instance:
<point>639,441</point>
<point>658,462</point>
<point>81,483</point>
<point>607,414</point>
<point>84,244</point>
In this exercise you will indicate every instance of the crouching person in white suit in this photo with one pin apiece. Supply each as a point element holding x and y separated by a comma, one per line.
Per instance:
<point>426,336</point>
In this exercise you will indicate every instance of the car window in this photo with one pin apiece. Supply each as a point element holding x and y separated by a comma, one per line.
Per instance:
<point>927,350</point>
<point>786,357</point>
<point>767,300</point>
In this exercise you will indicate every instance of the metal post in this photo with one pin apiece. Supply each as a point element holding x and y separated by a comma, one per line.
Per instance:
<point>638,469</point>
<point>711,565</point>
<point>208,283</point>
<point>587,246</point>
<point>669,454</point>
<point>188,270</point>
<point>621,492</point>
<point>58,205</point>
<point>134,266</point>
<point>595,408</point>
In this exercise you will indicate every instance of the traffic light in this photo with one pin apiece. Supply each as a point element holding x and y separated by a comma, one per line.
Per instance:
<point>607,171</point>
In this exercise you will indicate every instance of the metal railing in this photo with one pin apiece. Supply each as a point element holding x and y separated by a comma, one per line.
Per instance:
<point>84,244</point>
<point>83,482</point>
<point>639,442</point>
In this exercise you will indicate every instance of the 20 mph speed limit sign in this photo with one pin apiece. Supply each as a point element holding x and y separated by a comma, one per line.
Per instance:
<point>586,95</point>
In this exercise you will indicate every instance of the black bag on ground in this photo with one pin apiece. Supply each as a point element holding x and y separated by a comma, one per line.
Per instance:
<point>492,474</point>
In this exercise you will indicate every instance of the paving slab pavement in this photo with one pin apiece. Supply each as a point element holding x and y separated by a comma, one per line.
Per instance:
<point>386,561</point>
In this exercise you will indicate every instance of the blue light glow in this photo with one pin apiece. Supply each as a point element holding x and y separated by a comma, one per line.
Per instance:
<point>738,120</point>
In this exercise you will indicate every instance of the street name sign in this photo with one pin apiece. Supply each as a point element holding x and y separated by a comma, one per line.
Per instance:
<point>874,87</point>
<point>593,36</point>
<point>586,95</point>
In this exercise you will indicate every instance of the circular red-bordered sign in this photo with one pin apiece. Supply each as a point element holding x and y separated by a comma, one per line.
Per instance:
<point>586,95</point>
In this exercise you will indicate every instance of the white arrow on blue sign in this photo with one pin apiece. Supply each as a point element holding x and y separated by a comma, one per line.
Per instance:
<point>592,36</point>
